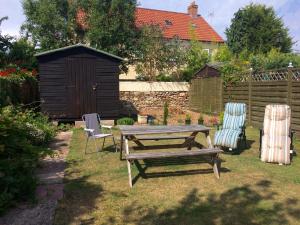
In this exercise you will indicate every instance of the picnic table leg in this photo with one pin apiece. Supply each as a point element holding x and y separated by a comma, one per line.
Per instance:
<point>208,140</point>
<point>128,163</point>
<point>137,141</point>
<point>121,147</point>
<point>190,141</point>
<point>216,165</point>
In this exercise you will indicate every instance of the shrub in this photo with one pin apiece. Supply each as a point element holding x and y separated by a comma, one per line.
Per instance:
<point>166,113</point>
<point>125,121</point>
<point>18,86</point>
<point>24,135</point>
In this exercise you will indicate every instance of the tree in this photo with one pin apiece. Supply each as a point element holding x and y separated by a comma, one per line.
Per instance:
<point>196,57</point>
<point>22,54</point>
<point>112,26</point>
<point>47,23</point>
<point>5,44</point>
<point>103,24</point>
<point>256,29</point>
<point>158,57</point>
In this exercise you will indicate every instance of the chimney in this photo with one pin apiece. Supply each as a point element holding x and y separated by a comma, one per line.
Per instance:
<point>193,10</point>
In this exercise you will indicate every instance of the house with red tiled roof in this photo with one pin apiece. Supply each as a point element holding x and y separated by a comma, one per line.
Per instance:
<point>177,24</point>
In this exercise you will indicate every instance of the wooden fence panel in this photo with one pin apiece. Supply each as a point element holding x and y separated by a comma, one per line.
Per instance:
<point>257,91</point>
<point>206,95</point>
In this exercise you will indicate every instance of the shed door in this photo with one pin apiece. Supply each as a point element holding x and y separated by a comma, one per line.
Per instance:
<point>81,86</point>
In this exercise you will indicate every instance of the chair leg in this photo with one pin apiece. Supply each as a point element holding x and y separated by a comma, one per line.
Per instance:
<point>96,146</point>
<point>114,143</point>
<point>103,143</point>
<point>86,143</point>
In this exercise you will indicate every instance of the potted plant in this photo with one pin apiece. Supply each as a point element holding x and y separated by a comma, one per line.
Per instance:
<point>166,114</point>
<point>200,120</point>
<point>188,119</point>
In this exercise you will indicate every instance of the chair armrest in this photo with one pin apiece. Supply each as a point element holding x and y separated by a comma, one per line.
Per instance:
<point>261,131</point>
<point>106,126</point>
<point>89,131</point>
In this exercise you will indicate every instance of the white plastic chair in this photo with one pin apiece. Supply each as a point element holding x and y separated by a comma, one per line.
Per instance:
<point>93,130</point>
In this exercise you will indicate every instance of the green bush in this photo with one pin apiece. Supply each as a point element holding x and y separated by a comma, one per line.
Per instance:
<point>125,121</point>
<point>23,139</point>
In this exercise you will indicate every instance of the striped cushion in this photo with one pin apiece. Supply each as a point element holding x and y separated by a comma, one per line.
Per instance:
<point>227,138</point>
<point>234,116</point>
<point>234,119</point>
<point>276,141</point>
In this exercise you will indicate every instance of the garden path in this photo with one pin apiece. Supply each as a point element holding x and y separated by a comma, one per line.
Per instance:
<point>49,190</point>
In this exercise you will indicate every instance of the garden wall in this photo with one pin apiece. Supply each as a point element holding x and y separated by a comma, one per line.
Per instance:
<point>256,90</point>
<point>141,95</point>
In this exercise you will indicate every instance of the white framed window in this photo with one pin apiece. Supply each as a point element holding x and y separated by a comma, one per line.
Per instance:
<point>207,49</point>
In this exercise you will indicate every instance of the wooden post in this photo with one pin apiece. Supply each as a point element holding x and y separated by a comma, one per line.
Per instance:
<point>128,162</point>
<point>221,95</point>
<point>289,85</point>
<point>250,97</point>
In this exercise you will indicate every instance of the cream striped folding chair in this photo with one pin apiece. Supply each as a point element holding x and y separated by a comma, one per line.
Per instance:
<point>276,136</point>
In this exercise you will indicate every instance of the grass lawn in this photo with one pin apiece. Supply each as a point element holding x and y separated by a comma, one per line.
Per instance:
<point>179,192</point>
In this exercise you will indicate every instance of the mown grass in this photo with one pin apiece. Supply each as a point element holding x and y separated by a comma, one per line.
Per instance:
<point>248,192</point>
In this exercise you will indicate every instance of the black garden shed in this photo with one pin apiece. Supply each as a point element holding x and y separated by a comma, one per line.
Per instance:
<point>77,79</point>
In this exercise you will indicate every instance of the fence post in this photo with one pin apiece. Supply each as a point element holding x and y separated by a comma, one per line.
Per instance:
<point>289,85</point>
<point>221,94</point>
<point>250,97</point>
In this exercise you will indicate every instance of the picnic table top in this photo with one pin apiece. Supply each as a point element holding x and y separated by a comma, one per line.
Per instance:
<point>140,130</point>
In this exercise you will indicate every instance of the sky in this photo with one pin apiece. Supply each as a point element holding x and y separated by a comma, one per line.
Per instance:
<point>218,13</point>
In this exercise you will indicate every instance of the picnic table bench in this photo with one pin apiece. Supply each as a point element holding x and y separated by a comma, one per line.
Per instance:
<point>136,134</point>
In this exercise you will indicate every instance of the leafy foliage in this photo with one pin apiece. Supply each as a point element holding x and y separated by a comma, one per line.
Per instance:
<point>112,26</point>
<point>256,29</point>
<point>106,25</point>
<point>273,60</point>
<point>196,58</point>
<point>125,121</point>
<point>23,135</point>
<point>156,58</point>
<point>22,54</point>
<point>47,23</point>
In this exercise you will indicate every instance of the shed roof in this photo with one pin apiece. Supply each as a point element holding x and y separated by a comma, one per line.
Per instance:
<point>77,46</point>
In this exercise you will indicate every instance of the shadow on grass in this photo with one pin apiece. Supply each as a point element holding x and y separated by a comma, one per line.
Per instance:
<point>240,150</point>
<point>173,162</point>
<point>80,199</point>
<point>248,204</point>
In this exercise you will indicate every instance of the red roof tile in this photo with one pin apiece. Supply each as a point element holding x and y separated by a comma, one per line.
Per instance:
<point>181,23</point>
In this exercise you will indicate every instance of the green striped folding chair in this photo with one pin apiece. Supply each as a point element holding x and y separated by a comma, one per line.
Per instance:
<point>276,136</point>
<point>232,131</point>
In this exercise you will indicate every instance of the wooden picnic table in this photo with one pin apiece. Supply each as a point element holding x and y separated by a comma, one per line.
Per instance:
<point>137,134</point>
